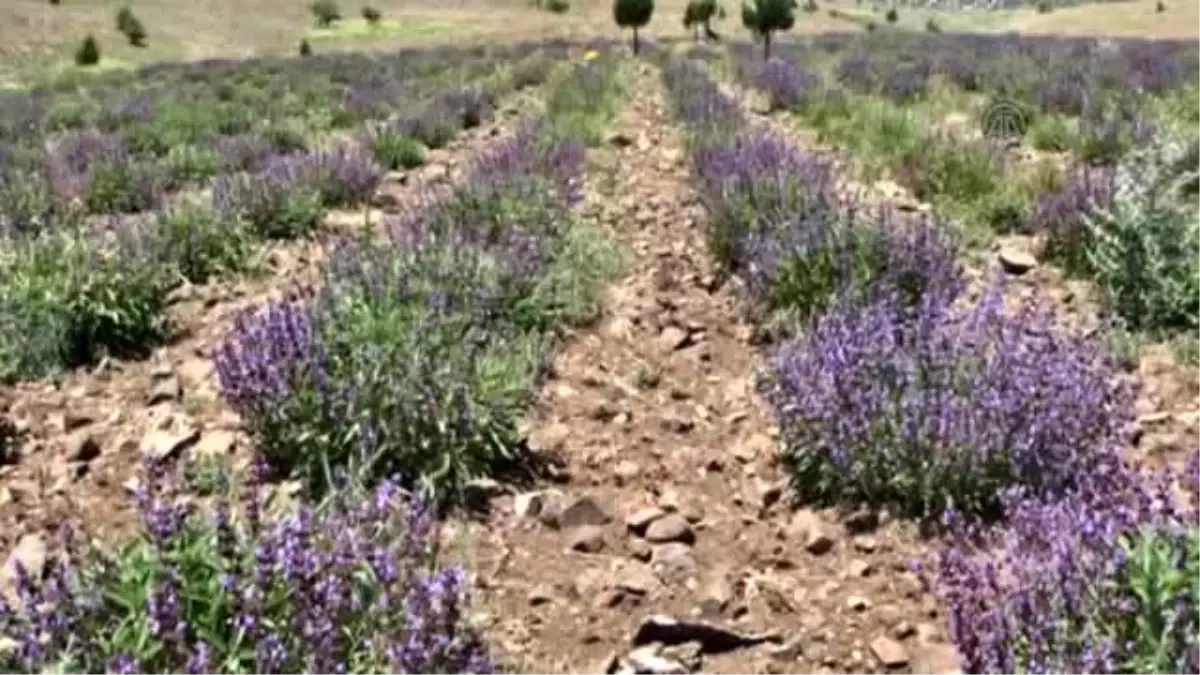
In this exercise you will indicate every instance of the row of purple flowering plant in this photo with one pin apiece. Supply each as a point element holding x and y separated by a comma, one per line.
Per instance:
<point>901,390</point>
<point>72,295</point>
<point>422,349</point>
<point>245,584</point>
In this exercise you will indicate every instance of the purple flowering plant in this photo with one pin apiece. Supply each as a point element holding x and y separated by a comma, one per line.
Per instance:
<point>776,217</point>
<point>1105,579</point>
<point>243,585</point>
<point>945,406</point>
<point>422,350</point>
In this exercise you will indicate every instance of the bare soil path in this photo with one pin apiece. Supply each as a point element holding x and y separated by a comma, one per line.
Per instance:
<point>672,503</point>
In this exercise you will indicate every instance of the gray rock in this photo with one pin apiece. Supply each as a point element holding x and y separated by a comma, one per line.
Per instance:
<point>711,637</point>
<point>672,527</point>
<point>639,520</point>
<point>890,653</point>
<point>585,539</point>
<point>1016,261</point>
<point>636,578</point>
<point>583,510</point>
<point>807,528</point>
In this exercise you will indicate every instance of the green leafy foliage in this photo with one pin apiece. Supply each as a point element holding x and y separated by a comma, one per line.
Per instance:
<point>371,14</point>
<point>198,244</point>
<point>1141,250</point>
<point>67,299</point>
<point>396,151</point>
<point>1162,576</point>
<point>765,17</point>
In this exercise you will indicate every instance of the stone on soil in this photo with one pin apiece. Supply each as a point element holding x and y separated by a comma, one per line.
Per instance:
<point>889,652</point>
<point>585,538</point>
<point>673,527</point>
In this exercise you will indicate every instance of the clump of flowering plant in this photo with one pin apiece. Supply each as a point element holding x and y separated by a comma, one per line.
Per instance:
<point>352,588</point>
<point>423,348</point>
<point>941,406</point>
<point>1104,580</point>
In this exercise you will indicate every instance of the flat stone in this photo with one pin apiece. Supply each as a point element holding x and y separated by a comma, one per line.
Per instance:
<point>639,520</point>
<point>807,528</point>
<point>164,443</point>
<point>585,539</point>
<point>672,527</point>
<point>636,578</point>
<point>890,653</point>
<point>1016,261</point>
<point>583,510</point>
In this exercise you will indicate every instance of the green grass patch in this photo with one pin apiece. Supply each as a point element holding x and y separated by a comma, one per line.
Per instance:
<point>358,29</point>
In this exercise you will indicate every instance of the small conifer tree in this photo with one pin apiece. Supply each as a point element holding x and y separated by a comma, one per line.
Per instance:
<point>764,17</point>
<point>305,48</point>
<point>633,14</point>
<point>88,53</point>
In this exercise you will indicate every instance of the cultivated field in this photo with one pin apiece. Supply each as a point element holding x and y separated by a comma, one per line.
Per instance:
<point>464,338</point>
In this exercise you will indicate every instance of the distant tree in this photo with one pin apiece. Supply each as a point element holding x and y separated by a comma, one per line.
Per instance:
<point>891,15</point>
<point>326,12</point>
<point>633,14</point>
<point>55,2</point>
<point>1045,7</point>
<point>305,48</point>
<point>699,14</point>
<point>135,32</point>
<point>558,6</point>
<point>933,26</point>
<point>764,17</point>
<point>371,15</point>
<point>1160,6</point>
<point>811,7</point>
<point>88,53</point>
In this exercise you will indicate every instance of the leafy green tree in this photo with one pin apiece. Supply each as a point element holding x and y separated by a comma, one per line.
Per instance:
<point>764,17</point>
<point>633,14</point>
<point>699,14</point>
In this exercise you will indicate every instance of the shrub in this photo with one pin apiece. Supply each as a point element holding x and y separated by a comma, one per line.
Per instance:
<point>353,588</point>
<point>788,86</point>
<point>586,101</point>
<point>98,171</point>
<point>1106,580</point>
<point>326,12</point>
<point>1051,133</point>
<point>68,299</point>
<point>88,52</point>
<point>421,353</point>
<point>395,151</point>
<point>305,49</point>
<point>371,15</point>
<point>891,16</point>
<point>939,407</point>
<point>197,244</point>
<point>810,6</point>
<point>273,202</point>
<point>1160,7</point>
<point>190,164</point>
<point>1061,214</point>
<point>633,14</point>
<point>932,26</point>
<point>942,166</point>
<point>1045,6</point>
<point>1141,248</point>
<point>558,6</point>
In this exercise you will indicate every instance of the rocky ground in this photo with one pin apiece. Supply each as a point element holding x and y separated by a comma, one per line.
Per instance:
<point>667,544</point>
<point>668,547</point>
